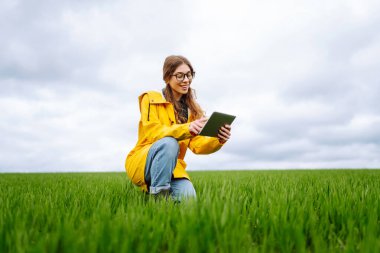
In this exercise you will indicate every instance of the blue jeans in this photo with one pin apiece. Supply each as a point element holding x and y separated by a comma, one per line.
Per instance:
<point>160,164</point>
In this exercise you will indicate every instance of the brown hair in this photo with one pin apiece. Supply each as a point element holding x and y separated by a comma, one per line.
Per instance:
<point>171,63</point>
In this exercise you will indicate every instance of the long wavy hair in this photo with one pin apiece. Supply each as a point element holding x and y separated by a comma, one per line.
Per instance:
<point>171,63</point>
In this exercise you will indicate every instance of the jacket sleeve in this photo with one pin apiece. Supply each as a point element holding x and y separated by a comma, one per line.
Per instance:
<point>154,129</point>
<point>204,145</point>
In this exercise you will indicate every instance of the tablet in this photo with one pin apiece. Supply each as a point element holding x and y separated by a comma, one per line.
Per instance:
<point>216,120</point>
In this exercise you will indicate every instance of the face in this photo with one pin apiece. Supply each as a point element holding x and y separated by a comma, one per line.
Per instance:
<point>180,88</point>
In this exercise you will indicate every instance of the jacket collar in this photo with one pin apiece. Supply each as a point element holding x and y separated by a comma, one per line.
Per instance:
<point>155,97</point>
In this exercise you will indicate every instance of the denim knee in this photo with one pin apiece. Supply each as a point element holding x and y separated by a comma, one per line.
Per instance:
<point>169,145</point>
<point>182,189</point>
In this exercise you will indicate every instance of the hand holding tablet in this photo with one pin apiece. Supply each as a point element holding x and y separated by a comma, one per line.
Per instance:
<point>197,125</point>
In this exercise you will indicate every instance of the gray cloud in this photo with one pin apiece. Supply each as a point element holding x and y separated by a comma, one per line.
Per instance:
<point>302,79</point>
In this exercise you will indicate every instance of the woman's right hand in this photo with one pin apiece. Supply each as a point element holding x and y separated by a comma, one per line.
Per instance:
<point>197,125</point>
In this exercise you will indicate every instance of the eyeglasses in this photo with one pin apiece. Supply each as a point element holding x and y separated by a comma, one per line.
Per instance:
<point>181,76</point>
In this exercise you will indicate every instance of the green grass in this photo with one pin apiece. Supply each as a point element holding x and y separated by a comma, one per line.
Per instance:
<point>236,211</point>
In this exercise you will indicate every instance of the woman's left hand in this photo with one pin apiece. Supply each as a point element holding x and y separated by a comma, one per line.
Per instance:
<point>224,133</point>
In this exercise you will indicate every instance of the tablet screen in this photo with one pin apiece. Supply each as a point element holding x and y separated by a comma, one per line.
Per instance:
<point>216,120</point>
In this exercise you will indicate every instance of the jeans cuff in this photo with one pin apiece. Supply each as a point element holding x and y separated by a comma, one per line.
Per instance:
<point>157,189</point>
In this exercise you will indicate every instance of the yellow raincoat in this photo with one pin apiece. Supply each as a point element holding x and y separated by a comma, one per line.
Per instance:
<point>158,121</point>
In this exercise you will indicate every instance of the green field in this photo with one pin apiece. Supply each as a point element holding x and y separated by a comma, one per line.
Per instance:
<point>236,211</point>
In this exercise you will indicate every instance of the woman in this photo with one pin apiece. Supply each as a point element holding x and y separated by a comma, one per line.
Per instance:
<point>170,123</point>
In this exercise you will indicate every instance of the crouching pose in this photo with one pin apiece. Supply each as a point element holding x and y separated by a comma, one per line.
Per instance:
<point>170,123</point>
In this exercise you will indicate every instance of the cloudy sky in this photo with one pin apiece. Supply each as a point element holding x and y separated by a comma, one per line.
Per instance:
<point>302,77</point>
